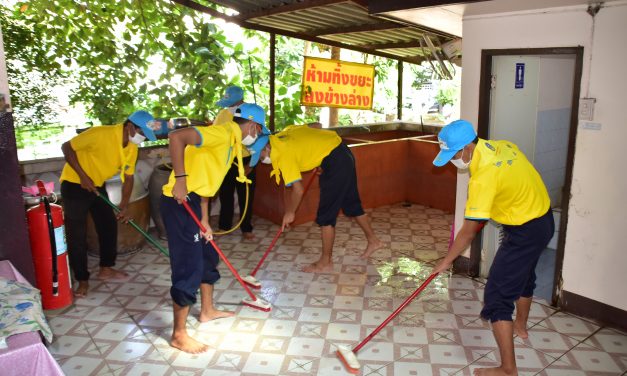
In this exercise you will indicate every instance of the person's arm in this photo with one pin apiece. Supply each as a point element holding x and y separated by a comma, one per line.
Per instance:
<point>204,218</point>
<point>292,197</point>
<point>462,241</point>
<point>72,159</point>
<point>127,189</point>
<point>179,139</point>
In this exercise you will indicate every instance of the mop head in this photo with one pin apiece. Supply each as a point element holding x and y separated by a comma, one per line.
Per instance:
<point>259,304</point>
<point>252,282</point>
<point>348,357</point>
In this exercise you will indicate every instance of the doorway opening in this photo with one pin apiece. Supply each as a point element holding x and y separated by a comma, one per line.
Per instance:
<point>531,98</point>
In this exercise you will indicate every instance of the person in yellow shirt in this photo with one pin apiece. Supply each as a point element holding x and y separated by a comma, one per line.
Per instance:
<point>233,98</point>
<point>297,149</point>
<point>201,158</point>
<point>92,157</point>
<point>505,187</point>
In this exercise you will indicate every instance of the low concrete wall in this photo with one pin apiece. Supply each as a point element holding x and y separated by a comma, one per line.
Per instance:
<point>392,167</point>
<point>388,172</point>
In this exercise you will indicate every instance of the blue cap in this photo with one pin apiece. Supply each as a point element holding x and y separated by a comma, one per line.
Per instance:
<point>256,148</point>
<point>252,112</point>
<point>232,95</point>
<point>453,138</point>
<point>144,120</point>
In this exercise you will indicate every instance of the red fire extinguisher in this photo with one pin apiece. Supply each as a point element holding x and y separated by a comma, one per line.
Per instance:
<point>47,242</point>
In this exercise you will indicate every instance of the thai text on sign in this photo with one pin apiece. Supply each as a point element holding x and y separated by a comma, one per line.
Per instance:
<point>335,83</point>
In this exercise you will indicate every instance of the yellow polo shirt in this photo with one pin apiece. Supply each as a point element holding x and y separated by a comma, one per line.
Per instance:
<point>207,163</point>
<point>224,116</point>
<point>504,185</point>
<point>299,148</point>
<point>101,155</point>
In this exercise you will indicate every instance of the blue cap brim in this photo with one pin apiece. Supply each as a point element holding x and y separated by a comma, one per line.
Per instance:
<point>255,150</point>
<point>226,102</point>
<point>443,157</point>
<point>147,131</point>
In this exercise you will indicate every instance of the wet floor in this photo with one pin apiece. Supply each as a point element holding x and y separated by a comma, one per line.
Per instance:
<point>122,328</point>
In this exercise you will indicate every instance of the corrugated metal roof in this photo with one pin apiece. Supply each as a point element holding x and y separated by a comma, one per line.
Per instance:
<point>343,23</point>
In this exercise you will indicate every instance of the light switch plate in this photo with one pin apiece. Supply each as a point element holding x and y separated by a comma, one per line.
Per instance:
<point>586,108</point>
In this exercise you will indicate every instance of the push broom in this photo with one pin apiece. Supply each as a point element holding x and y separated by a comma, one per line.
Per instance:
<point>252,301</point>
<point>250,279</point>
<point>349,357</point>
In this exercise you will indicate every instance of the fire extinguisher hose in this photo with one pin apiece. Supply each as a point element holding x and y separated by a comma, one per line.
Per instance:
<point>150,239</point>
<point>53,247</point>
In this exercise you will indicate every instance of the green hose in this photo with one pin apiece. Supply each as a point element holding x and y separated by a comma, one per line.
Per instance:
<point>141,231</point>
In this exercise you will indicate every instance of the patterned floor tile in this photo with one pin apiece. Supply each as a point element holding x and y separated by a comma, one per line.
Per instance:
<point>564,323</point>
<point>124,328</point>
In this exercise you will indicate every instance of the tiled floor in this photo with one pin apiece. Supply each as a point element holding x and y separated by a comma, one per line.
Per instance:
<point>123,328</point>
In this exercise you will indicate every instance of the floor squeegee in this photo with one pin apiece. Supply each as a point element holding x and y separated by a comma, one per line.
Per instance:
<point>252,301</point>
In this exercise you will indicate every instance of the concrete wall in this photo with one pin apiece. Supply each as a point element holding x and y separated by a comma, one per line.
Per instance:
<point>595,254</point>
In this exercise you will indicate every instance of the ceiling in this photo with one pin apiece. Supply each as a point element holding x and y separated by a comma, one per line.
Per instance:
<point>342,23</point>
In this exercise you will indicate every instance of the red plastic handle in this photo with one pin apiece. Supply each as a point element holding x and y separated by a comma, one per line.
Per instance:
<point>42,188</point>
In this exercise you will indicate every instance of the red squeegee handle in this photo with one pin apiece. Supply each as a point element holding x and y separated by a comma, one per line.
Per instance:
<point>396,312</point>
<point>276,237</point>
<point>222,256</point>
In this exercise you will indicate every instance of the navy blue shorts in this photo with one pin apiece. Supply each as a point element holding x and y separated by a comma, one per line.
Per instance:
<point>192,259</point>
<point>338,187</point>
<point>512,274</point>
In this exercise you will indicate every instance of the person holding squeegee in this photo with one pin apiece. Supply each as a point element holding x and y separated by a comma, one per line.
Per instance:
<point>301,148</point>
<point>505,187</point>
<point>201,158</point>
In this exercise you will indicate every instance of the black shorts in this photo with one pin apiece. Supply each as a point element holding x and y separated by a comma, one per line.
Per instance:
<point>338,187</point>
<point>512,274</point>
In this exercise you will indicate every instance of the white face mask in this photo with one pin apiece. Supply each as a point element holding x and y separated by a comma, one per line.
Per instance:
<point>459,163</point>
<point>137,138</point>
<point>266,160</point>
<point>249,140</point>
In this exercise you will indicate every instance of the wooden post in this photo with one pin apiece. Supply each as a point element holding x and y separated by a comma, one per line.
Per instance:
<point>333,111</point>
<point>399,99</point>
<point>272,78</point>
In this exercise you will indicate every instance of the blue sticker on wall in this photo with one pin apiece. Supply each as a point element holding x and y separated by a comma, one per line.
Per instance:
<point>519,82</point>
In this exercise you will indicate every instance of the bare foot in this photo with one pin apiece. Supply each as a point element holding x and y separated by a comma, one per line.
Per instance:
<point>214,314</point>
<point>497,371</point>
<point>107,273</point>
<point>520,330</point>
<point>318,267</point>
<point>248,235</point>
<point>81,290</point>
<point>372,247</point>
<point>186,343</point>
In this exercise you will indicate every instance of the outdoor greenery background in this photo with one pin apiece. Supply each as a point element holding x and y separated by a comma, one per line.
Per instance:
<point>113,57</point>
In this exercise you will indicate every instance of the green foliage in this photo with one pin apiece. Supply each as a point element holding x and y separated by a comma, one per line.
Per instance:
<point>423,74</point>
<point>109,50</point>
<point>447,95</point>
<point>31,74</point>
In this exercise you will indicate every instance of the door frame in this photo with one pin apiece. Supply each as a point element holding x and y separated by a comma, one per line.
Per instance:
<point>483,123</point>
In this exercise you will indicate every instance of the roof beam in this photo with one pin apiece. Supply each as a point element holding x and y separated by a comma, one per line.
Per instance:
<point>385,46</point>
<point>249,25</point>
<point>385,6</point>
